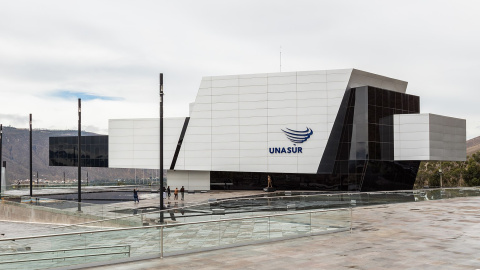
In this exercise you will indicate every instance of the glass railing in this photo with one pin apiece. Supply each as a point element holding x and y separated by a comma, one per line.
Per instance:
<point>57,250</point>
<point>268,204</point>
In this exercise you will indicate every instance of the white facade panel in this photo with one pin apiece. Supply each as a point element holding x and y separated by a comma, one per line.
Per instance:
<point>429,137</point>
<point>312,78</point>
<point>191,180</point>
<point>135,143</point>
<point>282,79</point>
<point>254,89</point>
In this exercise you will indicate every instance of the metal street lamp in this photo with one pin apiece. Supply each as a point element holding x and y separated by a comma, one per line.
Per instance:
<point>160,192</point>
<point>1,153</point>
<point>31,173</point>
<point>79,157</point>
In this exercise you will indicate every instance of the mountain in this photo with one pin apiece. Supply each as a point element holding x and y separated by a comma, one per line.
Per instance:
<point>16,154</point>
<point>473,145</point>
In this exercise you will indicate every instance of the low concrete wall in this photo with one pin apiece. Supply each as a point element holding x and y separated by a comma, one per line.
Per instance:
<point>28,213</point>
<point>23,212</point>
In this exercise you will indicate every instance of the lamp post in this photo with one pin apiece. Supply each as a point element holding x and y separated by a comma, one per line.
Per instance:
<point>160,192</point>
<point>1,149</point>
<point>31,173</point>
<point>79,157</point>
<point>441,173</point>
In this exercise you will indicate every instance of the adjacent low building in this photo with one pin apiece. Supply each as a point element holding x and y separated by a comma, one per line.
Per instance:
<point>312,130</point>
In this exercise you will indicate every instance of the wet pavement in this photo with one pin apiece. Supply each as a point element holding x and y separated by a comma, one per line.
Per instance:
<point>443,234</point>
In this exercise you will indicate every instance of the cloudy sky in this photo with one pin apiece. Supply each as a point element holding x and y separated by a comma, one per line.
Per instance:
<point>109,53</point>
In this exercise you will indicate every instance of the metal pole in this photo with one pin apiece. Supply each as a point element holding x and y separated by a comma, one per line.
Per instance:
<point>31,173</point>
<point>87,178</point>
<point>79,152</point>
<point>161,149</point>
<point>64,178</point>
<point>1,153</point>
<point>37,179</point>
<point>441,172</point>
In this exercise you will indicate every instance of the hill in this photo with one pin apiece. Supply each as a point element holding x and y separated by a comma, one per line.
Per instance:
<point>473,145</point>
<point>16,154</point>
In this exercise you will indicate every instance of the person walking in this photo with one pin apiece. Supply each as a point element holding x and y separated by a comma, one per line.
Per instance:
<point>164,191</point>
<point>176,194</point>
<point>182,191</point>
<point>135,195</point>
<point>168,192</point>
<point>269,182</point>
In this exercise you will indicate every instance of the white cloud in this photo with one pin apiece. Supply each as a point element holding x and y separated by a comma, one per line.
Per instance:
<point>118,48</point>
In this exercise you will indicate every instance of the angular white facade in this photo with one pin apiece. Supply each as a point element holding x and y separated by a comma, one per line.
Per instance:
<point>429,137</point>
<point>290,123</point>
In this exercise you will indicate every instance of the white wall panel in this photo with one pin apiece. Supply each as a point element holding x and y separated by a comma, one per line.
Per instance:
<point>225,153</point>
<point>196,147</point>
<point>428,137</point>
<point>282,80</point>
<point>201,107</point>
<point>232,90</point>
<point>314,102</point>
<point>252,105</point>
<point>279,104</point>
<point>312,87</point>
<point>228,128</point>
<point>225,121</point>
<point>225,99</point>
<point>254,146</point>
<point>253,81</point>
<point>257,89</point>
<point>253,129</point>
<point>224,106</point>
<point>312,94</point>
<point>252,121</point>
<point>311,78</point>
<point>216,82</point>
<point>278,112</point>
<point>252,137</point>
<point>336,85</point>
<point>191,180</point>
<point>260,152</point>
<point>311,110</point>
<point>291,96</point>
<point>253,167</point>
<point>253,97</point>
<point>280,88</point>
<point>253,113</point>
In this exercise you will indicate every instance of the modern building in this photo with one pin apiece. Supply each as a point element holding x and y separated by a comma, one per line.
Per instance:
<point>312,130</point>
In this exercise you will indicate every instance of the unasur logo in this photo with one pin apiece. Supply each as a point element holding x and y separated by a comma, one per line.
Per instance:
<point>295,136</point>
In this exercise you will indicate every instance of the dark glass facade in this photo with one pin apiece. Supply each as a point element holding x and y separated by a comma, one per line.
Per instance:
<point>63,151</point>
<point>359,153</point>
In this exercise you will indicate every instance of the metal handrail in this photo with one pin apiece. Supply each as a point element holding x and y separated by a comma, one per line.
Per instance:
<point>67,257</point>
<point>173,225</point>
<point>59,250</point>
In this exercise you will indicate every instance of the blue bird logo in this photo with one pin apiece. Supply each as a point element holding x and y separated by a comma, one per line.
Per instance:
<point>298,136</point>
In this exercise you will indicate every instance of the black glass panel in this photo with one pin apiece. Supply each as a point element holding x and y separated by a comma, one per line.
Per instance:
<point>63,151</point>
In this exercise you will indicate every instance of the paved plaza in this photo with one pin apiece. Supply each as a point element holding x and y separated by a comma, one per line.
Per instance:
<point>442,234</point>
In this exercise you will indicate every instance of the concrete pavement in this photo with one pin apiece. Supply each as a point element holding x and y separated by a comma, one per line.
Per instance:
<point>442,234</point>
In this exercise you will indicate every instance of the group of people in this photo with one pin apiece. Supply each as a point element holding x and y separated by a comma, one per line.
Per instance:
<point>167,191</point>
